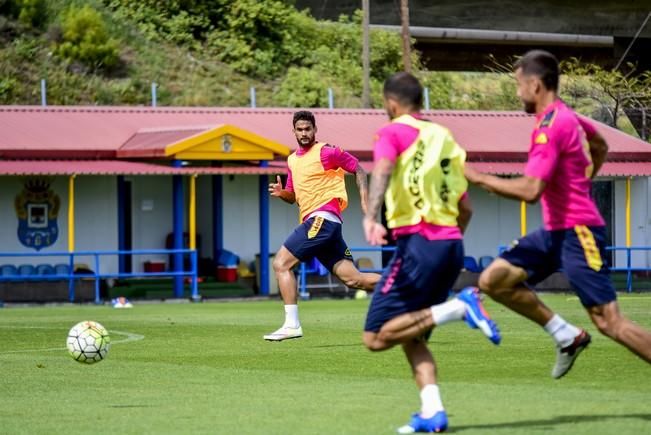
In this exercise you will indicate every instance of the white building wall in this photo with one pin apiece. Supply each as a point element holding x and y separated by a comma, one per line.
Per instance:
<point>151,216</point>
<point>95,220</point>
<point>241,218</point>
<point>96,213</point>
<point>496,220</point>
<point>640,221</point>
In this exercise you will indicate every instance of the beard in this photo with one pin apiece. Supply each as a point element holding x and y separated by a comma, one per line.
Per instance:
<point>529,107</point>
<point>305,143</point>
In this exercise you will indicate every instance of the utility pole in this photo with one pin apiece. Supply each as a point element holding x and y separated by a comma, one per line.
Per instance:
<point>406,41</point>
<point>366,63</point>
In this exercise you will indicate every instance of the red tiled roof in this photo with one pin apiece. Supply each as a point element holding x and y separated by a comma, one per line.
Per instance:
<point>150,142</point>
<point>97,132</point>
<point>609,169</point>
<point>121,167</point>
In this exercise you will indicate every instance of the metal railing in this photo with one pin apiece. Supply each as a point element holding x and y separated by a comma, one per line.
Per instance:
<point>304,270</point>
<point>97,275</point>
<point>629,269</point>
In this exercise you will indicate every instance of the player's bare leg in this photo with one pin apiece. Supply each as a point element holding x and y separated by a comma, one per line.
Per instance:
<point>503,282</point>
<point>400,330</point>
<point>283,263</point>
<point>432,416</point>
<point>409,326</point>
<point>346,271</point>
<point>611,323</point>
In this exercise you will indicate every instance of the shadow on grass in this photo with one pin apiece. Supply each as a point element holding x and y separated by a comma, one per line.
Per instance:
<point>562,419</point>
<point>359,344</point>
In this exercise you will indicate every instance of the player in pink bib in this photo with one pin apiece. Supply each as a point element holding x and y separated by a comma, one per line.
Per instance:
<point>565,155</point>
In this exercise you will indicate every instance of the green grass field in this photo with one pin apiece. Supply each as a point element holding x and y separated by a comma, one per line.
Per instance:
<point>204,368</point>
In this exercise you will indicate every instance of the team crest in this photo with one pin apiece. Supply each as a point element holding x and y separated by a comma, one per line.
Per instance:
<point>37,208</point>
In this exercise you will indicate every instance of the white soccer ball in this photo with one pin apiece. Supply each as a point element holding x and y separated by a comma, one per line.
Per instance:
<point>88,342</point>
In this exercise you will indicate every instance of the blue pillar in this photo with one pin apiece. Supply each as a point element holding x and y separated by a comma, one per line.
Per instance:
<point>263,184</point>
<point>178,212</point>
<point>122,242</point>
<point>217,217</point>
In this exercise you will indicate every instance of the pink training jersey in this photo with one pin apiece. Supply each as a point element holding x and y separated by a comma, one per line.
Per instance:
<point>391,141</point>
<point>560,156</point>
<point>331,158</point>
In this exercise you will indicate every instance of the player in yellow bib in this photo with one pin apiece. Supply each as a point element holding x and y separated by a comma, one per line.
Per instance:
<point>418,174</point>
<point>316,183</point>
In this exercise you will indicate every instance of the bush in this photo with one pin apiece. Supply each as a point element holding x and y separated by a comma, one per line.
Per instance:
<point>260,38</point>
<point>303,87</point>
<point>33,13</point>
<point>86,40</point>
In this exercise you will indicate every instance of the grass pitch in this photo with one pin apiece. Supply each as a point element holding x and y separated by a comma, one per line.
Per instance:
<point>204,368</point>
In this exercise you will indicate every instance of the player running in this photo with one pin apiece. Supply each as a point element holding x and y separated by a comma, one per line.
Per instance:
<point>316,183</point>
<point>565,155</point>
<point>418,174</point>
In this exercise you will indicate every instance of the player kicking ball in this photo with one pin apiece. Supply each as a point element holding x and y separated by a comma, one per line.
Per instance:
<point>315,182</point>
<point>418,174</point>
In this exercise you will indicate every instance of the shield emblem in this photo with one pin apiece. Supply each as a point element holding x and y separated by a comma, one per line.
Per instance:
<point>37,208</point>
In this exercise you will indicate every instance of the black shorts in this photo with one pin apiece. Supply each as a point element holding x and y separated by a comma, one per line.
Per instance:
<point>420,274</point>
<point>579,253</point>
<point>320,238</point>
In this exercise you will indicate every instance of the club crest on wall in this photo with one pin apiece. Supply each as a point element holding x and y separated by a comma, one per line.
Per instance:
<point>37,208</point>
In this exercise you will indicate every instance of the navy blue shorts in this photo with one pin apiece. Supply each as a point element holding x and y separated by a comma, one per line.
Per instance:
<point>320,238</point>
<point>420,274</point>
<point>578,252</point>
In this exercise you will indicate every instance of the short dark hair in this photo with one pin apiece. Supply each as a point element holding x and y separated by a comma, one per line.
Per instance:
<point>304,115</point>
<point>542,64</point>
<point>405,88</point>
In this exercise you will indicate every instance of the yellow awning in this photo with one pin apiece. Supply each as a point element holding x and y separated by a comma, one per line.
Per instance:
<point>225,142</point>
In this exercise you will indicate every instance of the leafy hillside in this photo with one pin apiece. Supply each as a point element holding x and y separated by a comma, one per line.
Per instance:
<point>204,53</point>
<point>210,53</point>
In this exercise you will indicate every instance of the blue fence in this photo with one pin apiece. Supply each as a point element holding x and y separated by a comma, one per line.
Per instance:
<point>69,274</point>
<point>311,269</point>
<point>629,269</point>
<point>97,275</point>
<point>305,269</point>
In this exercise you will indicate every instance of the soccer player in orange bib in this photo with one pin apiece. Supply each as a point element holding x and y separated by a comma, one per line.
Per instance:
<point>315,182</point>
<point>566,153</point>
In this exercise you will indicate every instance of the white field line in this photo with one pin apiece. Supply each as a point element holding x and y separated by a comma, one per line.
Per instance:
<point>128,337</point>
<point>619,298</point>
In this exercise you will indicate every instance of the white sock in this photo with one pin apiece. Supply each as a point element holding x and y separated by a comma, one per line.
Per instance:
<point>454,309</point>
<point>430,401</point>
<point>562,332</point>
<point>291,316</point>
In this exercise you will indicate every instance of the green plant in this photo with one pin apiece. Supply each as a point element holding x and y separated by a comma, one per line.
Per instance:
<point>302,87</point>
<point>86,40</point>
<point>33,13</point>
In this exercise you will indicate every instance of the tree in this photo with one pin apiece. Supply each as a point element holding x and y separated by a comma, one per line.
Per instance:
<point>606,95</point>
<point>366,62</point>
<point>406,39</point>
<point>612,93</point>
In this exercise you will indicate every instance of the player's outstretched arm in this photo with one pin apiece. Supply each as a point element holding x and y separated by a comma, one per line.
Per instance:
<point>524,188</point>
<point>362,185</point>
<point>373,230</point>
<point>465,213</point>
<point>276,189</point>
<point>598,152</point>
